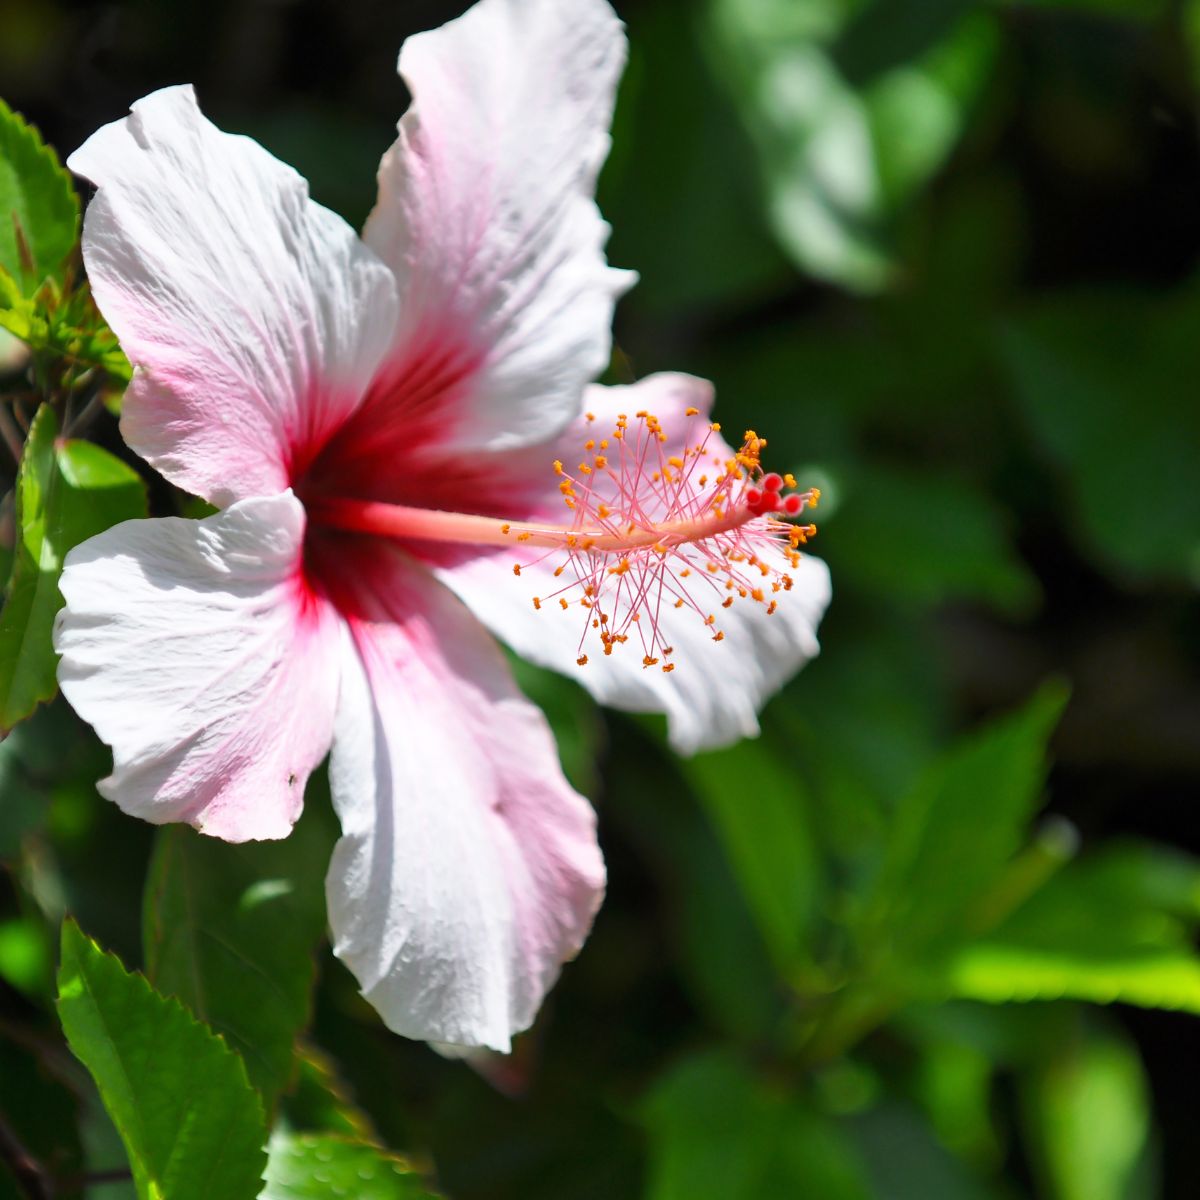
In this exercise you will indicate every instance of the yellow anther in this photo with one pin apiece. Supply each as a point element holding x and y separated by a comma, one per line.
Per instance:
<point>516,568</point>
<point>691,412</point>
<point>537,603</point>
<point>558,467</point>
<point>582,660</point>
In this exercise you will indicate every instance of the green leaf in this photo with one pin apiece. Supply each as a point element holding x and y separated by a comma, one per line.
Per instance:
<point>840,162</point>
<point>39,210</point>
<point>232,931</point>
<point>718,1130</point>
<point>1116,926</point>
<point>192,1125</point>
<point>956,831</point>
<point>904,1160</point>
<point>1105,385</point>
<point>760,810</point>
<point>1087,1117</point>
<point>68,490</point>
<point>305,1166</point>
<point>924,539</point>
<point>319,1101</point>
<point>573,717</point>
<point>669,117</point>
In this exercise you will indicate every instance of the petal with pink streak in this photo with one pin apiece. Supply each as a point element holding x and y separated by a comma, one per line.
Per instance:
<point>196,651</point>
<point>255,317</point>
<point>486,215</point>
<point>468,870</point>
<point>716,690</point>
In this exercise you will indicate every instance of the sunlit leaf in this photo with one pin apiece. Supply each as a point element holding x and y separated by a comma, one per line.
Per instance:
<point>956,830</point>
<point>843,149</point>
<point>232,931</point>
<point>1116,926</point>
<point>68,490</point>
<point>39,211</point>
<point>191,1123</point>
<point>1088,1119</point>
<point>304,1166</point>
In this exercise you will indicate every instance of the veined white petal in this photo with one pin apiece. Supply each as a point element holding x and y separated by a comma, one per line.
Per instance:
<point>255,317</point>
<point>468,869</point>
<point>714,695</point>
<point>486,215</point>
<point>197,654</point>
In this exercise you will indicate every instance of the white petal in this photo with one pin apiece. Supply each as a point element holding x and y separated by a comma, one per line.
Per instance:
<point>197,653</point>
<point>486,215</point>
<point>256,317</point>
<point>468,870</point>
<point>716,690</point>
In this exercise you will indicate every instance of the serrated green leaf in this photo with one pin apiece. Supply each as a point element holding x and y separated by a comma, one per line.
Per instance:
<point>305,1166</point>
<point>232,931</point>
<point>37,204</point>
<point>180,1098</point>
<point>319,1101</point>
<point>68,490</point>
<point>1117,926</point>
<point>760,811</point>
<point>956,830</point>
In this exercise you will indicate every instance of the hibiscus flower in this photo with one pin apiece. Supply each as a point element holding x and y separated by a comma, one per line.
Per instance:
<point>378,423</point>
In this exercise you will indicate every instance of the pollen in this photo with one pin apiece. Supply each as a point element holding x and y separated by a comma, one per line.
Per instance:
<point>657,538</point>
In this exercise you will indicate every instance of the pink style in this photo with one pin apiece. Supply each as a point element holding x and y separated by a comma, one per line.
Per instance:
<point>383,426</point>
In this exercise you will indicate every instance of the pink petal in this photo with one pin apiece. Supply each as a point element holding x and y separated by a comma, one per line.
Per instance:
<point>255,317</point>
<point>198,654</point>
<point>717,689</point>
<point>485,214</point>
<point>468,870</point>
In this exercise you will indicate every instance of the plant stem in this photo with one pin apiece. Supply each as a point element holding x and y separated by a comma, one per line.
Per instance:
<point>30,1176</point>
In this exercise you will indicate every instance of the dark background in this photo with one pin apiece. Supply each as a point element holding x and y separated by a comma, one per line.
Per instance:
<point>1001,407</point>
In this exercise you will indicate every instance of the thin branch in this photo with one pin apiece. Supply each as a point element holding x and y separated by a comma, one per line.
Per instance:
<point>85,416</point>
<point>11,435</point>
<point>31,1177</point>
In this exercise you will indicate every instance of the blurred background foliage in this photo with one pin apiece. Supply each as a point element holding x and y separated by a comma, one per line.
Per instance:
<point>934,934</point>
